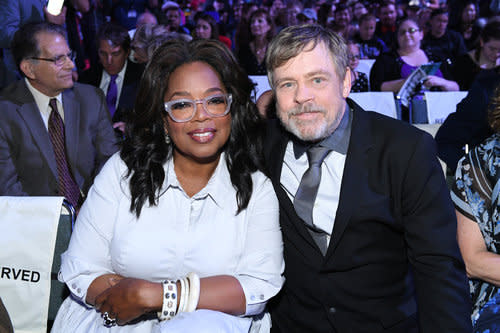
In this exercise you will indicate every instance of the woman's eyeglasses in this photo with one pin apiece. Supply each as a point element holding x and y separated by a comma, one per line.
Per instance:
<point>182,110</point>
<point>410,30</point>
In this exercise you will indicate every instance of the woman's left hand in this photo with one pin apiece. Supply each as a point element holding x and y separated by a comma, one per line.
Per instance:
<point>130,298</point>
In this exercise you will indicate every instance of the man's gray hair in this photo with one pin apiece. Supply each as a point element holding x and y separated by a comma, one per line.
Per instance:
<point>294,39</point>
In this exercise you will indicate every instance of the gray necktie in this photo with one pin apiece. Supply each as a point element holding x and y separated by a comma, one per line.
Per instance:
<point>307,191</point>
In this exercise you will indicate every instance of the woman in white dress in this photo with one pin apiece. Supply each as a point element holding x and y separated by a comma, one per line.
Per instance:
<point>180,231</point>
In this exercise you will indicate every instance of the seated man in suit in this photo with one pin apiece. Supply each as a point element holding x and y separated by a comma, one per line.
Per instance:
<point>117,77</point>
<point>368,226</point>
<point>54,135</point>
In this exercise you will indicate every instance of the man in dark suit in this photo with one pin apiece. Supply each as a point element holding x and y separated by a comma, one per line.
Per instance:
<point>468,125</point>
<point>368,226</point>
<point>117,77</point>
<point>54,135</point>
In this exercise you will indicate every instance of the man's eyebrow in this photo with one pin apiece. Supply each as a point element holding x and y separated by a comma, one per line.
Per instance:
<point>308,75</point>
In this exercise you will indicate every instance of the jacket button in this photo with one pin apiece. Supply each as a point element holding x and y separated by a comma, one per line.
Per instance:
<point>332,310</point>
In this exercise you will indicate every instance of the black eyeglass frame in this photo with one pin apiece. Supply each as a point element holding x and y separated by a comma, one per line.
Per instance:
<point>59,60</point>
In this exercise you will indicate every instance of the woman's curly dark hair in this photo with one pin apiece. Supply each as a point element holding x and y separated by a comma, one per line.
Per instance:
<point>144,149</point>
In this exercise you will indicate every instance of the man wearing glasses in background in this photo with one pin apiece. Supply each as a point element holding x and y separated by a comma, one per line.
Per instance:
<point>54,134</point>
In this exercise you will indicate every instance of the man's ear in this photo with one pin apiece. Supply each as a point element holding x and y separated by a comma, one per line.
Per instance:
<point>346,89</point>
<point>28,69</point>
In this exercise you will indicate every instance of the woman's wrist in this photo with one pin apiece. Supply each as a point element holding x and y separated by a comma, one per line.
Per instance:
<point>152,296</point>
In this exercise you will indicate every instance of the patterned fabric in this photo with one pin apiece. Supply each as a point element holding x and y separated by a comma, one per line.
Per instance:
<point>476,195</point>
<point>67,185</point>
<point>361,83</point>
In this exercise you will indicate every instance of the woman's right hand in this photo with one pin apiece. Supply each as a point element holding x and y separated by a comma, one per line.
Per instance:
<point>130,298</point>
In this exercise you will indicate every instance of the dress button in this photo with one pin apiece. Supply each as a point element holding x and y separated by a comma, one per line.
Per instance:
<point>262,297</point>
<point>73,286</point>
<point>78,290</point>
<point>332,310</point>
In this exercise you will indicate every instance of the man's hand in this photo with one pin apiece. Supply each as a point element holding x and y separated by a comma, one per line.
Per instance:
<point>56,19</point>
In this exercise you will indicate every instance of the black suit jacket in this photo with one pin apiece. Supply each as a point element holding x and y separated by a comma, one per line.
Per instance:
<point>27,162</point>
<point>469,124</point>
<point>393,263</point>
<point>130,86</point>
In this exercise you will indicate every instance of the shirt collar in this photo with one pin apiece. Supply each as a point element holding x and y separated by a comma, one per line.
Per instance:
<point>41,100</point>
<point>337,141</point>
<point>217,188</point>
<point>120,75</point>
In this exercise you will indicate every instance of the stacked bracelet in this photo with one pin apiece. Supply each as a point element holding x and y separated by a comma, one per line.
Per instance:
<point>169,307</point>
<point>183,298</point>
<point>194,291</point>
<point>188,298</point>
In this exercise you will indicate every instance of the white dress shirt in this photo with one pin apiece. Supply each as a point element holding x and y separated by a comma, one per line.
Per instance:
<point>42,102</point>
<point>200,234</point>
<point>106,79</point>
<point>327,200</point>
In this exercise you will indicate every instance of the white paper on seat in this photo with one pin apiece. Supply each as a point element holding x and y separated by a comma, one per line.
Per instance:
<point>262,84</point>
<point>379,101</point>
<point>28,230</point>
<point>441,103</point>
<point>365,66</point>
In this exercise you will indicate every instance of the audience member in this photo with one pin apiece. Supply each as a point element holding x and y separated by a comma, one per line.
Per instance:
<point>370,46</point>
<point>468,125</point>
<point>376,251</point>
<point>117,77</point>
<point>412,10</point>
<point>390,70</point>
<point>359,80</point>
<point>145,18</point>
<point>307,16</point>
<point>486,56</point>
<point>206,28</point>
<point>326,14</point>
<point>252,54</point>
<point>443,43</point>
<point>77,40</point>
<point>189,170</point>
<point>13,15</point>
<point>242,32</point>
<point>293,8</point>
<point>342,23</point>
<point>173,19</point>
<point>386,27</point>
<point>55,134</point>
<point>477,207</point>
<point>126,12</point>
<point>467,24</point>
<point>358,10</point>
<point>142,39</point>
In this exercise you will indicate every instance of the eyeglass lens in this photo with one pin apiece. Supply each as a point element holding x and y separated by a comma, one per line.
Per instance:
<point>184,109</point>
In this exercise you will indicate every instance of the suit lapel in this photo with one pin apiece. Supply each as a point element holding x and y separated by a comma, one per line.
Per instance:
<point>355,173</point>
<point>29,112</point>
<point>71,125</point>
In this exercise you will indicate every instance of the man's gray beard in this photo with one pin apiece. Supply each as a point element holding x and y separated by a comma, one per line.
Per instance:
<point>294,125</point>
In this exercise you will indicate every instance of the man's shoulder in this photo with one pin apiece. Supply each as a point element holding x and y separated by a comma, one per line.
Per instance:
<point>16,93</point>
<point>392,130</point>
<point>134,69</point>
<point>83,89</point>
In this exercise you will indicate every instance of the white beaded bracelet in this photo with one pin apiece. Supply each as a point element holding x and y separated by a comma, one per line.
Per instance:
<point>169,306</point>
<point>194,292</point>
